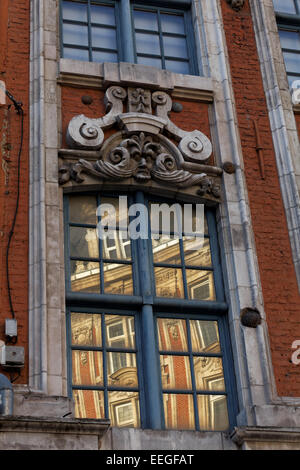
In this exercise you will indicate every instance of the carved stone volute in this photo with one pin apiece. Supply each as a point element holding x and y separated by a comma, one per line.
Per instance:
<point>141,149</point>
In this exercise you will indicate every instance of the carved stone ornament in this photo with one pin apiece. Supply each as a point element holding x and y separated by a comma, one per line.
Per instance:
<point>139,150</point>
<point>236,5</point>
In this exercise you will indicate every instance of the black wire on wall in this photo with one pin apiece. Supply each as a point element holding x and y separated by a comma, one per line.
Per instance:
<point>19,109</point>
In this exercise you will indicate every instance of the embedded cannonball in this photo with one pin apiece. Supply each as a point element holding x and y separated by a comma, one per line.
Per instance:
<point>86,99</point>
<point>177,107</point>
<point>250,317</point>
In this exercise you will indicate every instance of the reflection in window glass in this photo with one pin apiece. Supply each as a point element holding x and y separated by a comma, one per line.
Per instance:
<point>213,413</point>
<point>124,409</point>
<point>205,336</point>
<point>118,279</point>
<point>86,329</point>
<point>202,373</point>
<point>87,368</point>
<point>101,371</point>
<point>82,209</point>
<point>89,404</point>
<point>200,284</point>
<point>169,282</point>
<point>175,418</point>
<point>172,334</point>
<point>85,276</point>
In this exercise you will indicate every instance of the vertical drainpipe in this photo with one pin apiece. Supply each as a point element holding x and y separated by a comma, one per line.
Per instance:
<point>6,396</point>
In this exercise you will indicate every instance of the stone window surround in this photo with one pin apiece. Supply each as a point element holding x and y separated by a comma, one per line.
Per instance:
<point>47,344</point>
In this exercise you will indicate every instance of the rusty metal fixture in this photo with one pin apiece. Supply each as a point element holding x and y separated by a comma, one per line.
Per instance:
<point>259,150</point>
<point>86,99</point>
<point>250,317</point>
<point>229,167</point>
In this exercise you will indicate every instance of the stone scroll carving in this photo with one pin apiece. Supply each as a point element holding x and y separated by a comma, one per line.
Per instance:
<point>146,146</point>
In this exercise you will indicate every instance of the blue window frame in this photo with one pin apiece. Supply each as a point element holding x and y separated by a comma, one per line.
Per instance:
<point>288,20</point>
<point>148,33</point>
<point>146,323</point>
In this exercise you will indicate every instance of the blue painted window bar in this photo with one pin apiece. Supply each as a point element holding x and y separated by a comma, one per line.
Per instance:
<point>146,322</point>
<point>139,33</point>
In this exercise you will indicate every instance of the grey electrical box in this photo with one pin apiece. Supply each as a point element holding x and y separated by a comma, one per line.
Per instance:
<point>14,356</point>
<point>11,327</point>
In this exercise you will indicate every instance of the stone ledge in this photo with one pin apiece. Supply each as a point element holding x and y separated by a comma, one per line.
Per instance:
<point>266,438</point>
<point>101,75</point>
<point>54,425</point>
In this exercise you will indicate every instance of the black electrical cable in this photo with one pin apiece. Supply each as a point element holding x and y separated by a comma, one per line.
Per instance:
<point>19,109</point>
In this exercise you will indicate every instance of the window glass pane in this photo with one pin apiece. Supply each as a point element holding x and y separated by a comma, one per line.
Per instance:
<point>169,282</point>
<point>75,34</point>
<point>76,54</point>
<point>179,411</point>
<point>175,372</point>
<point>87,368</point>
<point>200,284</point>
<point>147,44</point>
<point>102,56</point>
<point>85,276</point>
<point>116,246</point>
<point>166,250</point>
<point>102,14</point>
<point>172,335</point>
<point>74,11</point>
<point>124,409</point>
<point>86,329</point>
<point>151,62</point>
<point>284,6</point>
<point>292,62</point>
<point>82,209</point>
<point>84,242</point>
<point>209,373</point>
<point>145,20</point>
<point>172,23</point>
<point>89,404</point>
<point>213,414</point>
<point>197,251</point>
<point>205,336</point>
<point>118,279</point>
<point>175,47</point>
<point>120,332</point>
<point>177,66</point>
<point>289,39</point>
<point>115,212</point>
<point>104,38</point>
<point>122,371</point>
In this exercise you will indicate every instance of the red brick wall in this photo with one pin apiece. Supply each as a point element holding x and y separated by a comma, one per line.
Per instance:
<point>276,267</point>
<point>14,70</point>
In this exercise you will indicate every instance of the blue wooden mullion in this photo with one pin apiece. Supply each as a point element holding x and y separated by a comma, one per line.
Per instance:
<point>126,27</point>
<point>151,366</point>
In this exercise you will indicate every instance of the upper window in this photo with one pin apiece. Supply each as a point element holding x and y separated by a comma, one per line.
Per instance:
<point>288,19</point>
<point>147,335</point>
<point>122,31</point>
